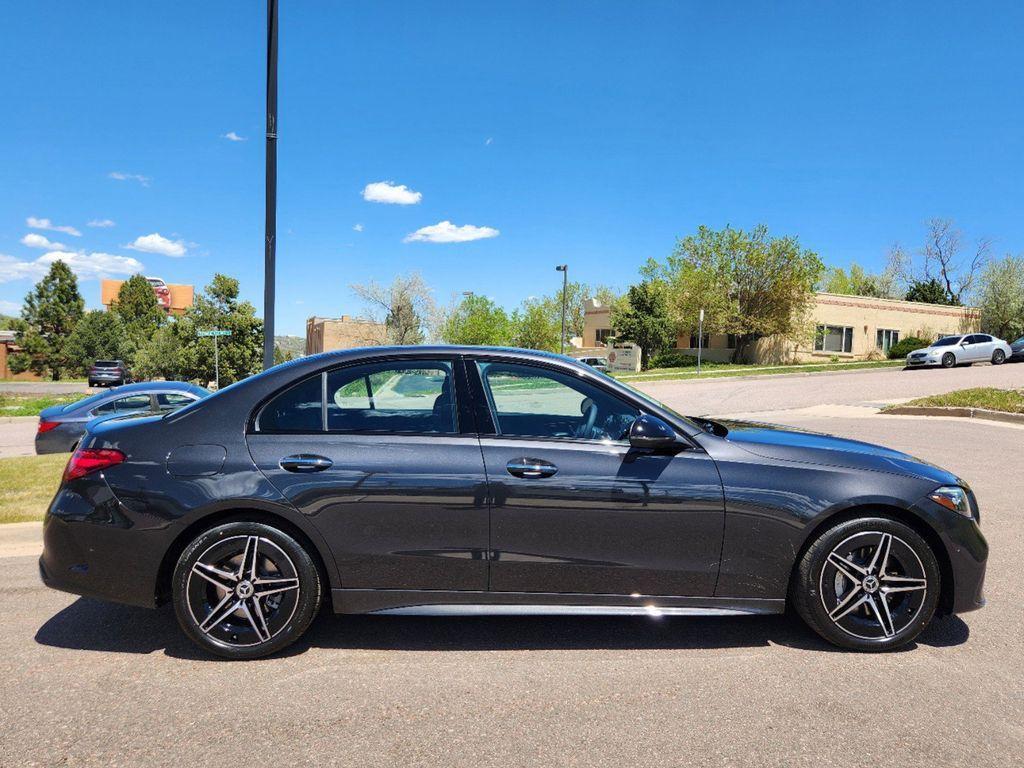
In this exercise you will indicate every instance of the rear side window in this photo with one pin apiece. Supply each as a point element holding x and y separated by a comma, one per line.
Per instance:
<point>297,409</point>
<point>411,396</point>
<point>131,404</point>
<point>168,400</point>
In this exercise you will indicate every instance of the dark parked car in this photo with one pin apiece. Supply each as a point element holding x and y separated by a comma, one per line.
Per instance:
<point>464,480</point>
<point>1017,350</point>
<point>62,426</point>
<point>108,373</point>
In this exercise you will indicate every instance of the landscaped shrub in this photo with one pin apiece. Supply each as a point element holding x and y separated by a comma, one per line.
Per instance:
<point>673,360</point>
<point>904,347</point>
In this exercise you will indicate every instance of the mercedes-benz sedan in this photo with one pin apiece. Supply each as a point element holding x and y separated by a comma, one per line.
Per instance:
<point>463,480</point>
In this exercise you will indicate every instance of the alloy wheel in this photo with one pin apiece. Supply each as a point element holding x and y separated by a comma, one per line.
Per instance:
<point>242,591</point>
<point>998,357</point>
<point>948,360</point>
<point>873,585</point>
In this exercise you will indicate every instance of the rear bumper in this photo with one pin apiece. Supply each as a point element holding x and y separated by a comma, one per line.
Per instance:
<point>91,548</point>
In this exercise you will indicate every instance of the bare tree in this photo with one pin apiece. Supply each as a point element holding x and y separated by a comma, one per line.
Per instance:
<point>405,307</point>
<point>945,261</point>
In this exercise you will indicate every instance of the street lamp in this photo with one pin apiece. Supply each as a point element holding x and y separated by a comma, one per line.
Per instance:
<point>564,269</point>
<point>270,238</point>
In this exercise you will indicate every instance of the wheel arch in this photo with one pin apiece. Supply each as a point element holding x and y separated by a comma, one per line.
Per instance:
<point>909,518</point>
<point>317,550</point>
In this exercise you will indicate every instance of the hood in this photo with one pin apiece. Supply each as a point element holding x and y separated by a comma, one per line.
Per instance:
<point>788,444</point>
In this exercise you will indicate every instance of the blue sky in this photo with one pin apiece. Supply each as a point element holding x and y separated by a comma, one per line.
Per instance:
<point>590,133</point>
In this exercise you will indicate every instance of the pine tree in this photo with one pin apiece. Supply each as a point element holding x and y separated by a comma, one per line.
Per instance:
<point>51,312</point>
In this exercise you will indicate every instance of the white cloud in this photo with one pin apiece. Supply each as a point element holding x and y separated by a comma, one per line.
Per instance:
<point>232,136</point>
<point>357,228</point>
<point>32,240</point>
<point>490,140</point>
<point>122,176</point>
<point>10,307</point>
<point>101,223</point>
<point>157,243</point>
<point>35,223</point>
<point>446,232</point>
<point>389,192</point>
<point>87,266</point>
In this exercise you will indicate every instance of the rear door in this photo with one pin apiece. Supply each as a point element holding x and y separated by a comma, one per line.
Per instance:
<point>382,460</point>
<point>573,508</point>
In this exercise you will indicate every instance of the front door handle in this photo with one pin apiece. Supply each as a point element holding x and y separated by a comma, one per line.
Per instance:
<point>531,468</point>
<point>305,462</point>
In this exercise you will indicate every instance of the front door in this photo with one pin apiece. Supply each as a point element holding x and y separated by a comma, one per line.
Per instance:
<point>573,508</point>
<point>375,456</point>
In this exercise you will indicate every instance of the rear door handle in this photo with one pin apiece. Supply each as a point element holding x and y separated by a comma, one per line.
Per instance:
<point>531,469</point>
<point>305,462</point>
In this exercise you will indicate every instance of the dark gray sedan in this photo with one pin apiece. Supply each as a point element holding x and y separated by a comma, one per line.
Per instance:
<point>62,426</point>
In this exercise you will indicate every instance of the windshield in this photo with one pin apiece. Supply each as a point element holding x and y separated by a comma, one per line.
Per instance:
<point>1018,341</point>
<point>949,341</point>
<point>653,400</point>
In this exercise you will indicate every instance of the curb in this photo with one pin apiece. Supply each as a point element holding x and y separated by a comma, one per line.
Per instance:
<point>965,413</point>
<point>713,377</point>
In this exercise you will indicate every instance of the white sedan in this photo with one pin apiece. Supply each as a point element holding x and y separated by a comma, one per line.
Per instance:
<point>961,350</point>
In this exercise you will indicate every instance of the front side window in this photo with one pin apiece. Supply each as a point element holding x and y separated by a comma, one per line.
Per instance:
<point>412,396</point>
<point>170,400</point>
<point>833,338</point>
<point>534,402</point>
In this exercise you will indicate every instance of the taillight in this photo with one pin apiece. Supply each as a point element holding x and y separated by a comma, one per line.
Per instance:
<point>86,460</point>
<point>46,426</point>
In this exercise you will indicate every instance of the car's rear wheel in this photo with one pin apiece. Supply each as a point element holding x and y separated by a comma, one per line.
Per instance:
<point>948,360</point>
<point>244,590</point>
<point>870,584</point>
<point>998,357</point>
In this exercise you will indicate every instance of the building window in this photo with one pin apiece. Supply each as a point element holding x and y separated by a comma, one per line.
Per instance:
<point>602,335</point>
<point>834,338</point>
<point>885,338</point>
<point>731,341</point>
<point>706,339</point>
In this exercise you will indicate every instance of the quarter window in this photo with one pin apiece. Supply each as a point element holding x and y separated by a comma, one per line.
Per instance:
<point>400,396</point>
<point>834,338</point>
<point>535,402</point>
<point>297,409</point>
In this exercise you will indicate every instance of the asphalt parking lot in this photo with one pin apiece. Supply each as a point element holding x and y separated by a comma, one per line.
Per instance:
<point>86,683</point>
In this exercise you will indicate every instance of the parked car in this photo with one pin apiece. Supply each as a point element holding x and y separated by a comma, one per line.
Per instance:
<point>1017,351</point>
<point>950,351</point>
<point>467,480</point>
<point>598,363</point>
<point>108,373</point>
<point>62,426</point>
<point>163,293</point>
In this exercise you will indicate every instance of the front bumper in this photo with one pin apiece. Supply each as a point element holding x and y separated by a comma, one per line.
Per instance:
<point>967,554</point>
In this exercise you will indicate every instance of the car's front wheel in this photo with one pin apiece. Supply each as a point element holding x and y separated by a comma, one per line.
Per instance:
<point>870,584</point>
<point>998,357</point>
<point>948,360</point>
<point>244,590</point>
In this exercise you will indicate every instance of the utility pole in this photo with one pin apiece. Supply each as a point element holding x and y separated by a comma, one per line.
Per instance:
<point>270,240</point>
<point>564,269</point>
<point>700,339</point>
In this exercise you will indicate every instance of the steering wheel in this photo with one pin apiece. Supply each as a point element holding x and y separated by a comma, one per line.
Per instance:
<point>589,409</point>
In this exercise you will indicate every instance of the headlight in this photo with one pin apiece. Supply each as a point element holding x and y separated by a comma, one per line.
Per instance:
<point>952,497</point>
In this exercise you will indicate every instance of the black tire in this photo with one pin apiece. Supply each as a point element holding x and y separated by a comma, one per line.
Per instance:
<point>998,357</point>
<point>273,595</point>
<point>948,360</point>
<point>878,615</point>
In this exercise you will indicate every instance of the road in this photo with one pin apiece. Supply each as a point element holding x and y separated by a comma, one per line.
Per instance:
<point>85,683</point>
<point>786,391</point>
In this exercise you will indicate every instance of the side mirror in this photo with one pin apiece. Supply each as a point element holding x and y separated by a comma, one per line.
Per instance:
<point>651,433</point>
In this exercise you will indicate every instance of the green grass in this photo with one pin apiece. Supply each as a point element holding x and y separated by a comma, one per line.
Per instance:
<point>723,370</point>
<point>31,405</point>
<point>27,485</point>
<point>1006,400</point>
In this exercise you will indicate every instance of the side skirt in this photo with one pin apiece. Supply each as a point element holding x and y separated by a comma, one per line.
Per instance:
<point>442,603</point>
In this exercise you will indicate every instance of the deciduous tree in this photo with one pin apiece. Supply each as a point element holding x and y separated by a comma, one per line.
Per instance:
<point>404,307</point>
<point>1001,298</point>
<point>478,321</point>
<point>642,317</point>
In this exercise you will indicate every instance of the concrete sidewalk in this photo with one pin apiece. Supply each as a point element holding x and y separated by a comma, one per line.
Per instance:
<point>21,540</point>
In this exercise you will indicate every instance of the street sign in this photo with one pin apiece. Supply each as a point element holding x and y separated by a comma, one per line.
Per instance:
<point>213,333</point>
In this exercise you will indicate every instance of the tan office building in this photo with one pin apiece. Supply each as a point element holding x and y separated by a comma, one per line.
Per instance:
<point>847,327</point>
<point>325,334</point>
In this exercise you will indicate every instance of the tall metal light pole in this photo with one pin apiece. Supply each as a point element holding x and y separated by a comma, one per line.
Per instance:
<point>564,269</point>
<point>270,240</point>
